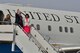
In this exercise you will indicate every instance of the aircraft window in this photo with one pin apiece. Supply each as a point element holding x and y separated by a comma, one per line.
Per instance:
<point>66,29</point>
<point>38,27</point>
<point>49,27</point>
<point>71,29</point>
<point>32,25</point>
<point>60,29</point>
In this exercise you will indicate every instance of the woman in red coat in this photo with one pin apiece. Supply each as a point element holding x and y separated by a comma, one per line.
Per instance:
<point>26,28</point>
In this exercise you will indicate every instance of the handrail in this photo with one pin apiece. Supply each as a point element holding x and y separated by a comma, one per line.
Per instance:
<point>44,37</point>
<point>41,44</point>
<point>47,40</point>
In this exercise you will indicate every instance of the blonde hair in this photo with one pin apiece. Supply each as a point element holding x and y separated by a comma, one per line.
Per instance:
<point>8,16</point>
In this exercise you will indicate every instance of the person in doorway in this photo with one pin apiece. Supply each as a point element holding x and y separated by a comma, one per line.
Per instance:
<point>27,27</point>
<point>7,20</point>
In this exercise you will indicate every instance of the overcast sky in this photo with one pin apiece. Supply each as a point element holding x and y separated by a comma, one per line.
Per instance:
<point>68,5</point>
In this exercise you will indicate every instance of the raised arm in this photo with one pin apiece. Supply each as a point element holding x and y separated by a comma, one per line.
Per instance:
<point>10,12</point>
<point>23,13</point>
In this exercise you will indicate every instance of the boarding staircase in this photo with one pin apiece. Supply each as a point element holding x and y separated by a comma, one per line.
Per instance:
<point>14,40</point>
<point>35,43</point>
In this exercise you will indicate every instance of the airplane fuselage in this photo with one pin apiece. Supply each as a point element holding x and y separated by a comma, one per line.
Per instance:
<point>60,26</point>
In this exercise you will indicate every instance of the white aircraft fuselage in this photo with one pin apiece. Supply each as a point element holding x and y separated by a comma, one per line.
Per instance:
<point>61,26</point>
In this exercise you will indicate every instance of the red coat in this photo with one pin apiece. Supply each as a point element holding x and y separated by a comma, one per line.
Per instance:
<point>27,27</point>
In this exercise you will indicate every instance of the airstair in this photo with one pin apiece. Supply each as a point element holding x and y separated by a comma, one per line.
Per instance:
<point>14,40</point>
<point>35,43</point>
